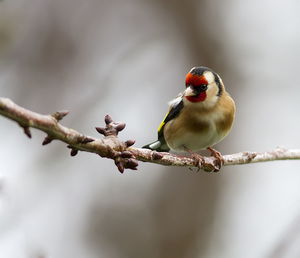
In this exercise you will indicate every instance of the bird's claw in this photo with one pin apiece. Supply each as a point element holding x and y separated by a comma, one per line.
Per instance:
<point>219,161</point>
<point>198,160</point>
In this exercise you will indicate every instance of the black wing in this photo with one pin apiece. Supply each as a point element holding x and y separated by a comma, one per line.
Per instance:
<point>173,112</point>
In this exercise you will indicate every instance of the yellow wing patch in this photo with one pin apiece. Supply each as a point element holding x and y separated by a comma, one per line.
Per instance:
<point>162,123</point>
<point>174,110</point>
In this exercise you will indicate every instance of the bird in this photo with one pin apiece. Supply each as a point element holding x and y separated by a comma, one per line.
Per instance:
<point>198,118</point>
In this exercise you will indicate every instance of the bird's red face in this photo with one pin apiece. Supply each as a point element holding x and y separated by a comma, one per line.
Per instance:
<point>197,85</point>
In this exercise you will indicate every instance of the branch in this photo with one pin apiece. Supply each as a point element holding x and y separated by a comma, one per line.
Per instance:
<point>124,155</point>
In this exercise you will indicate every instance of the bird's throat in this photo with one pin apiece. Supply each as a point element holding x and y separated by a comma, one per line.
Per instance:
<point>198,98</point>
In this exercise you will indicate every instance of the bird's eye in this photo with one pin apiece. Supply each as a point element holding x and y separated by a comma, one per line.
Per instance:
<point>199,88</point>
<point>203,87</point>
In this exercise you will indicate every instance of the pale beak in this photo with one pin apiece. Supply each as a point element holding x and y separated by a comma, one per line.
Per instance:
<point>189,92</point>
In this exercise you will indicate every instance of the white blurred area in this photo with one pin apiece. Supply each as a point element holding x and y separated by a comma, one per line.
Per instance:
<point>128,59</point>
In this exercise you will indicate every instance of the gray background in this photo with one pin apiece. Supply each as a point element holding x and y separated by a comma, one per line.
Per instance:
<point>128,58</point>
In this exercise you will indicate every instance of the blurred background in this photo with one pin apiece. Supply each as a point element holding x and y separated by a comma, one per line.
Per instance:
<point>128,58</point>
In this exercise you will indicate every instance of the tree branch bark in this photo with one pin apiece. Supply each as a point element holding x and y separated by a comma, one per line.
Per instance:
<point>124,155</point>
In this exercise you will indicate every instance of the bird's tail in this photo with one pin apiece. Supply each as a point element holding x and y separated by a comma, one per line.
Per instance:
<point>158,145</point>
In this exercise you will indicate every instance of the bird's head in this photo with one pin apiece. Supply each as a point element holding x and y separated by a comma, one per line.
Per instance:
<point>203,86</point>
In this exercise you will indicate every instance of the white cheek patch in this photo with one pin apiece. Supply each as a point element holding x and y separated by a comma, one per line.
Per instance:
<point>212,97</point>
<point>209,76</point>
<point>213,89</point>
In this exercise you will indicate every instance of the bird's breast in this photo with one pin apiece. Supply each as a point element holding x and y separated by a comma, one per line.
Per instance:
<point>196,131</point>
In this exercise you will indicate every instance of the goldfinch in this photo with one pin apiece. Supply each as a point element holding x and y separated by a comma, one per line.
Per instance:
<point>199,117</point>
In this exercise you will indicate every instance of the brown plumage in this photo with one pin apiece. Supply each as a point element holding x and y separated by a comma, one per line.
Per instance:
<point>199,117</point>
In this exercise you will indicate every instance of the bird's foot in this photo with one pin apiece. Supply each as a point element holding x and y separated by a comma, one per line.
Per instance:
<point>219,158</point>
<point>198,159</point>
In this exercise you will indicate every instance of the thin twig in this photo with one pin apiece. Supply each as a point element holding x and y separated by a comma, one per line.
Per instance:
<point>112,147</point>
